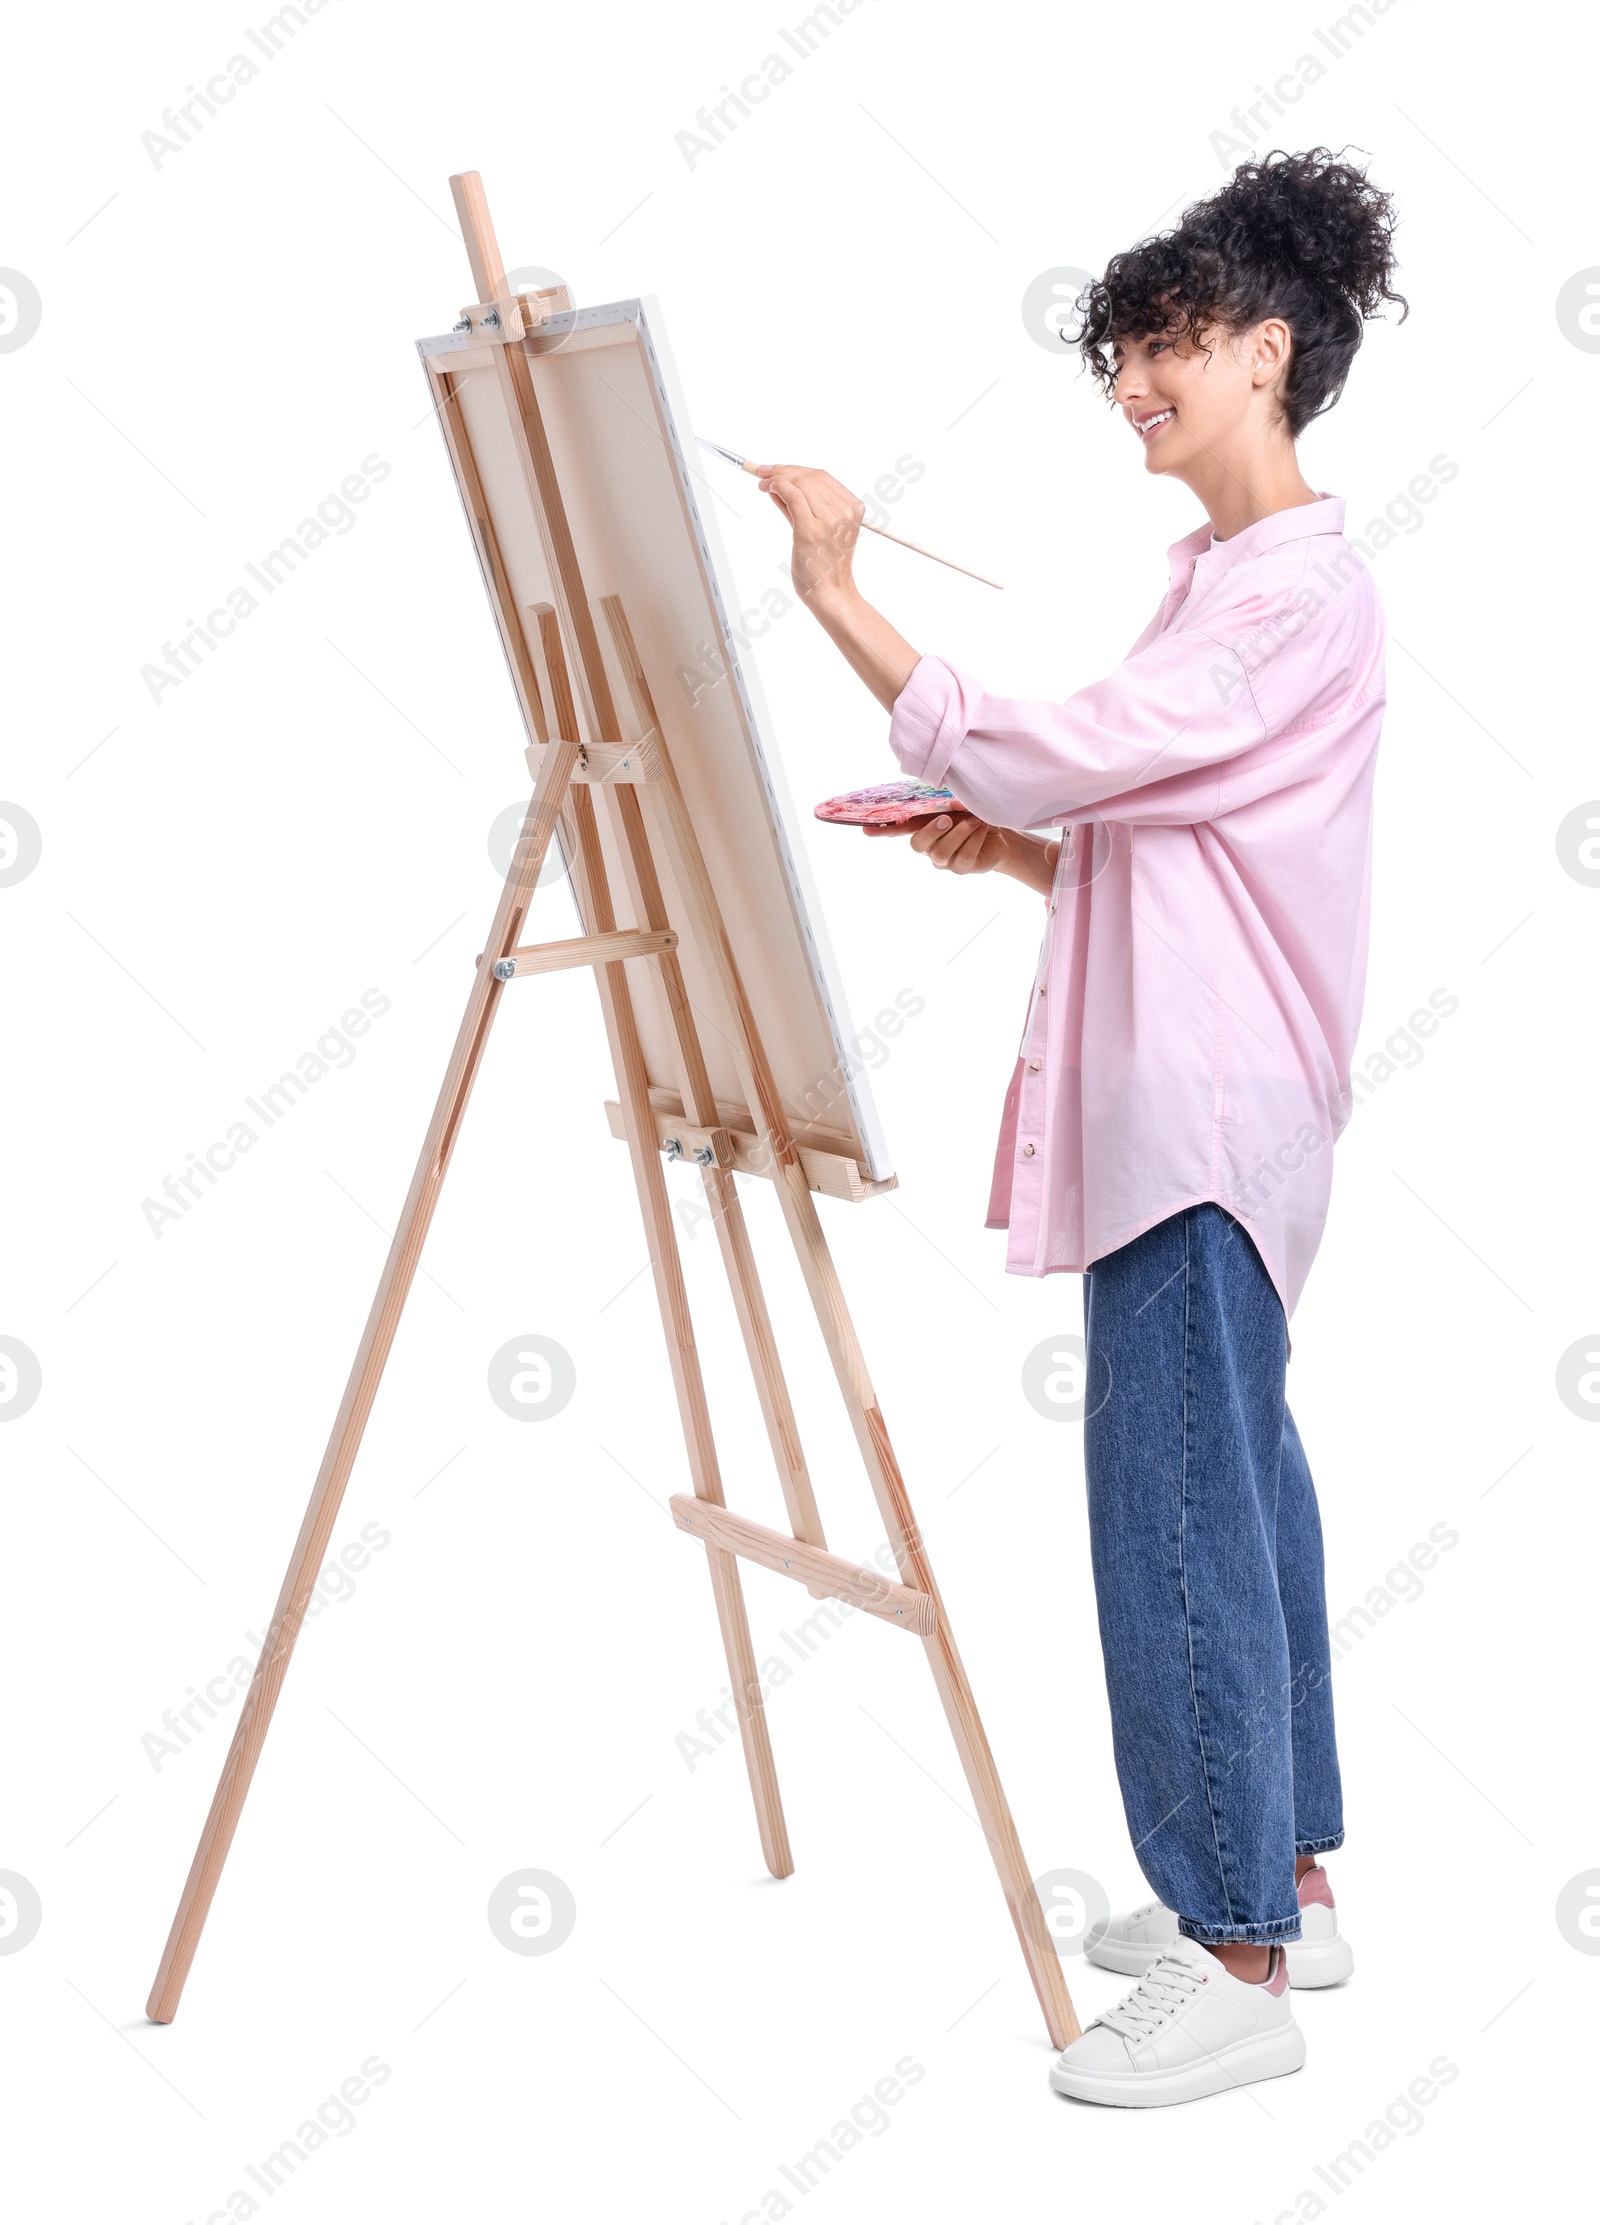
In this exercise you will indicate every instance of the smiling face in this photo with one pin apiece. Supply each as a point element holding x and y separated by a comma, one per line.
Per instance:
<point>1181,402</point>
<point>1190,408</point>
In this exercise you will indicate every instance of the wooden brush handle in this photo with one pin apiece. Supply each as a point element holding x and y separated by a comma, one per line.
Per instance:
<point>884,534</point>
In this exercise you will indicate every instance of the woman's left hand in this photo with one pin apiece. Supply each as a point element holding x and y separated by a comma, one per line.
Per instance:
<point>962,844</point>
<point>826,520</point>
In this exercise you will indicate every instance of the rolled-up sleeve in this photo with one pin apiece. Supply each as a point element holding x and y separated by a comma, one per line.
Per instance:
<point>1147,742</point>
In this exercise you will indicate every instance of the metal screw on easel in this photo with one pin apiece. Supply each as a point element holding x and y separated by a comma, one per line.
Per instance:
<point>505,969</point>
<point>672,1148</point>
<point>462,324</point>
<point>705,1156</point>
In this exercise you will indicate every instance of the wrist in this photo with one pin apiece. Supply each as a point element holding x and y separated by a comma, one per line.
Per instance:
<point>1032,863</point>
<point>833,600</point>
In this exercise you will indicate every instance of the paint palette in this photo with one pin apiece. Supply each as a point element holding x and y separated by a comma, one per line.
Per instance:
<point>893,803</point>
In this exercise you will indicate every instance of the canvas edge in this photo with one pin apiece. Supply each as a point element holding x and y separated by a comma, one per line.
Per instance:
<point>805,902</point>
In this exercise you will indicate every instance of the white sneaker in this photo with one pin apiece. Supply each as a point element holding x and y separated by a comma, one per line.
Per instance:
<point>1319,1957</point>
<point>1188,2028</point>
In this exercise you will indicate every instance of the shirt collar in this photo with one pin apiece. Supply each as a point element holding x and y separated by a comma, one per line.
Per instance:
<point>1325,515</point>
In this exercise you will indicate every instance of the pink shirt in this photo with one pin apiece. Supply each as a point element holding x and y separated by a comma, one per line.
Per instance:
<point>1190,1029</point>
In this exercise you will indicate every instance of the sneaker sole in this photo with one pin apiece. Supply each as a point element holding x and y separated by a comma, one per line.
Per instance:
<point>1313,1963</point>
<point>1269,2055</point>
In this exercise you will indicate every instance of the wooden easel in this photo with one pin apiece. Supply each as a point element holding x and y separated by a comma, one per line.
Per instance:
<point>579,748</point>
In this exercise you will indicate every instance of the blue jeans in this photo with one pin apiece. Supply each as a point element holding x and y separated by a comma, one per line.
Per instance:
<point>1207,1553</point>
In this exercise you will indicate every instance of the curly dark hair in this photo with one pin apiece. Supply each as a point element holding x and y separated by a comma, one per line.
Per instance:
<point>1304,237</point>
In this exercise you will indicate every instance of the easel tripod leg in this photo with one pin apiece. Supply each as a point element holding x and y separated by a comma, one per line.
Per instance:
<point>627,1056</point>
<point>311,1546</point>
<point>949,1675</point>
<point>866,1420</point>
<point>673,1299</point>
<point>950,1678</point>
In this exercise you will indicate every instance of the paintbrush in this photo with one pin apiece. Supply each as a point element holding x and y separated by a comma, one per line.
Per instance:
<point>882,531</point>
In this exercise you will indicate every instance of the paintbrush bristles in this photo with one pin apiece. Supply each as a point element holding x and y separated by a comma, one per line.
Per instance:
<point>727,453</point>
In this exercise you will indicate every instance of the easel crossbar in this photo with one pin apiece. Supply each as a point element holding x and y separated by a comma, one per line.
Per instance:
<point>582,950</point>
<point>819,1571</point>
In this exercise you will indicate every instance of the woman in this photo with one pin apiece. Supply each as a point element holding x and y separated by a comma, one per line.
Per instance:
<point>1183,1074</point>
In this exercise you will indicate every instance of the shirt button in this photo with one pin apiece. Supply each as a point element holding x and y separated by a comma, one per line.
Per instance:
<point>1027,1151</point>
<point>1033,1066</point>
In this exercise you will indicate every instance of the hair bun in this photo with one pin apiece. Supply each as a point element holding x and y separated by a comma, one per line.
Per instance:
<point>1305,237</point>
<point>1318,216</point>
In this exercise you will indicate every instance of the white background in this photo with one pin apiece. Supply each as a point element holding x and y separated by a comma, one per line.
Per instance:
<point>224,338</point>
